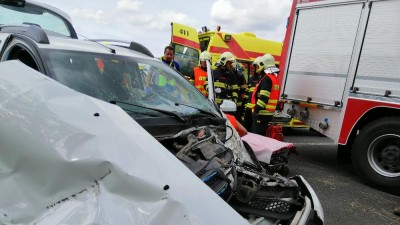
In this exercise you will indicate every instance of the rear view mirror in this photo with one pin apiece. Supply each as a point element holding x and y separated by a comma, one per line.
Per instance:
<point>228,106</point>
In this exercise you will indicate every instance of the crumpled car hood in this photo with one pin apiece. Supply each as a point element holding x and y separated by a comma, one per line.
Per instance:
<point>66,158</point>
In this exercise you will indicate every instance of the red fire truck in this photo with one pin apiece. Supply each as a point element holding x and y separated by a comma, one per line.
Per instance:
<point>341,76</point>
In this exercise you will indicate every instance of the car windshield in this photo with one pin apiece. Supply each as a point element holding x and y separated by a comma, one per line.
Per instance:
<point>136,84</point>
<point>32,14</point>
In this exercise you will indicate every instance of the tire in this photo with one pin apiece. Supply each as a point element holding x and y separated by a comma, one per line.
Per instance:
<point>376,154</point>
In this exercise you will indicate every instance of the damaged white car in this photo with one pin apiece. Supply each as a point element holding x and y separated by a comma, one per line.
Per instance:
<point>66,158</point>
<point>173,111</point>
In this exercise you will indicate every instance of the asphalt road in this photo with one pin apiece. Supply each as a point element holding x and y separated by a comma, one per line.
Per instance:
<point>344,198</point>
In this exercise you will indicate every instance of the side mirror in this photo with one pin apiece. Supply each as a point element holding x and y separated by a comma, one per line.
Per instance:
<point>228,106</point>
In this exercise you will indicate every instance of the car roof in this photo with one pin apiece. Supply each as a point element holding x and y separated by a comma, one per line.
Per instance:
<point>51,8</point>
<point>81,45</point>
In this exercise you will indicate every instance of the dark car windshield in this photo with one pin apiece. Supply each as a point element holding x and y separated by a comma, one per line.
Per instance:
<point>32,14</point>
<point>136,81</point>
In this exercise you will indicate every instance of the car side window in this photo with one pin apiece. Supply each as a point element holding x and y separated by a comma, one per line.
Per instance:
<point>23,55</point>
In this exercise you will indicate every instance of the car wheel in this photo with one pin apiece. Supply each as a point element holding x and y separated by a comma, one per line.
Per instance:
<point>376,154</point>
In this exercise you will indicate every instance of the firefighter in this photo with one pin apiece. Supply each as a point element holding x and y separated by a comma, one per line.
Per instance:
<point>224,79</point>
<point>240,85</point>
<point>199,76</point>
<point>248,106</point>
<point>168,58</point>
<point>265,95</point>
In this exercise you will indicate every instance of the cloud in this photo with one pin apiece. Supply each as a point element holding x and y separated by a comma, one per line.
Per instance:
<point>88,13</point>
<point>162,21</point>
<point>129,5</point>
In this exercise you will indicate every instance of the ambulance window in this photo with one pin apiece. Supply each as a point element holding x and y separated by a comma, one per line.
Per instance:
<point>188,58</point>
<point>204,44</point>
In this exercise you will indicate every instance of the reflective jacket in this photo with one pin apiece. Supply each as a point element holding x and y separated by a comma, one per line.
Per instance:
<point>254,80</point>
<point>173,64</point>
<point>266,95</point>
<point>200,78</point>
<point>223,82</point>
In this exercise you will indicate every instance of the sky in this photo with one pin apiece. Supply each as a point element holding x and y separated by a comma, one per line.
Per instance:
<point>149,21</point>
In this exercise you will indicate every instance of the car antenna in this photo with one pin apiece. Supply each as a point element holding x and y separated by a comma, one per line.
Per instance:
<point>111,49</point>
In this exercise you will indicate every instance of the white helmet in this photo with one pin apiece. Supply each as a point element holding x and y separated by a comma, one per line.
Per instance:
<point>256,60</point>
<point>266,61</point>
<point>225,57</point>
<point>205,56</point>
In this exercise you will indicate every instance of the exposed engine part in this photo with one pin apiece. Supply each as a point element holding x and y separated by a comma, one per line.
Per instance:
<point>249,187</point>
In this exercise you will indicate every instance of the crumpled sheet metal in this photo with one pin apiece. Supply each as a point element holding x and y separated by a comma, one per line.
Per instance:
<point>66,158</point>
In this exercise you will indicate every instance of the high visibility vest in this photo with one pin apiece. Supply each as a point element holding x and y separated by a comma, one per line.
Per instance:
<point>274,96</point>
<point>200,78</point>
<point>171,64</point>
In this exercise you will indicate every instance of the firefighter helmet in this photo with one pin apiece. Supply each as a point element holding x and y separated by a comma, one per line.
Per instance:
<point>256,60</point>
<point>266,61</point>
<point>205,56</point>
<point>225,57</point>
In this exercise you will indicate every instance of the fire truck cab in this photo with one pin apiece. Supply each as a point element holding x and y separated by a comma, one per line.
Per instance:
<point>340,69</point>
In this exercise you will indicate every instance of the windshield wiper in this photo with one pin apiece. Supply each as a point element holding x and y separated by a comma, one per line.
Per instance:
<point>200,110</point>
<point>176,115</point>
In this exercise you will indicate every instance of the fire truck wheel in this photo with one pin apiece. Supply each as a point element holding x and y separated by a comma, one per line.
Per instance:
<point>376,154</point>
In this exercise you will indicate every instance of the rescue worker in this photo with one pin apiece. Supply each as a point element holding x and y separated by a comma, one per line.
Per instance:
<point>240,86</point>
<point>168,58</point>
<point>199,75</point>
<point>224,79</point>
<point>265,95</point>
<point>248,106</point>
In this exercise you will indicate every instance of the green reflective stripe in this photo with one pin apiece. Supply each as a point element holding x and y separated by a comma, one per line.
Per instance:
<point>203,78</point>
<point>234,94</point>
<point>265,93</point>
<point>235,86</point>
<point>252,89</point>
<point>161,81</point>
<point>270,107</point>
<point>218,100</point>
<point>239,104</point>
<point>219,84</point>
<point>249,105</point>
<point>265,113</point>
<point>273,101</point>
<point>261,103</point>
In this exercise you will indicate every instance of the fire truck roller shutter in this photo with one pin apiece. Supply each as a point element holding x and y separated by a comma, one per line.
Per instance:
<point>321,53</point>
<point>379,68</point>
